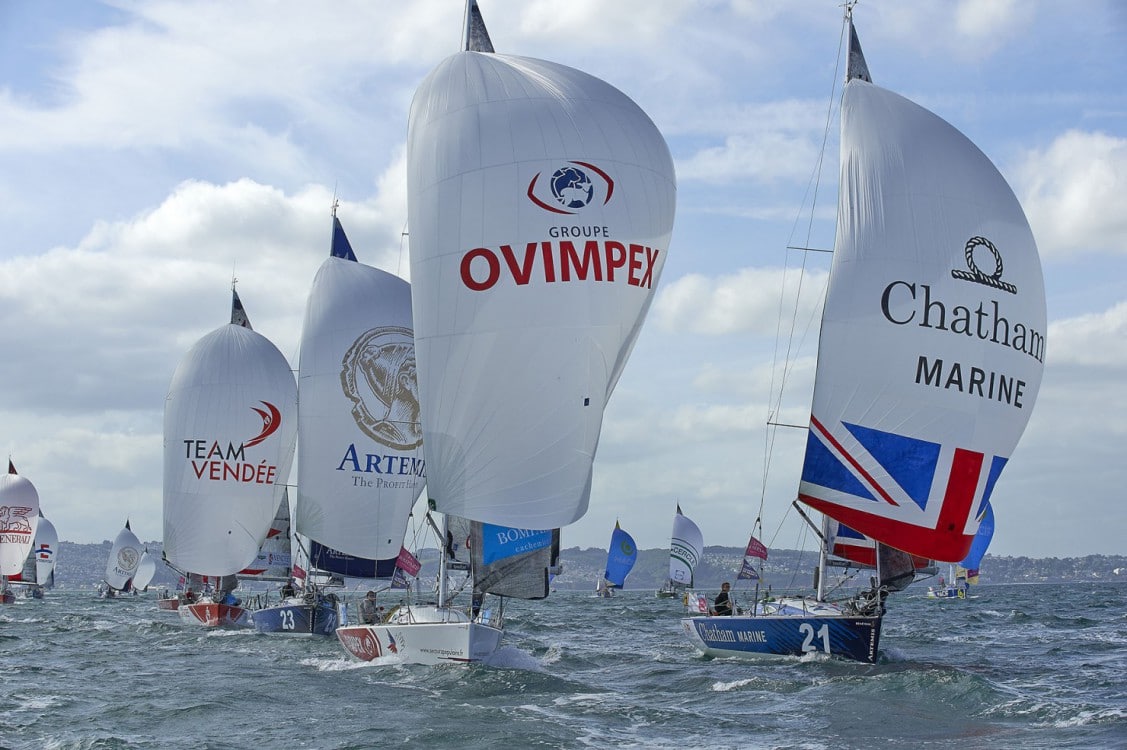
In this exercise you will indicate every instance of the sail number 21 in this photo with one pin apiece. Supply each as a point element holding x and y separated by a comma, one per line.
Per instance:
<point>807,630</point>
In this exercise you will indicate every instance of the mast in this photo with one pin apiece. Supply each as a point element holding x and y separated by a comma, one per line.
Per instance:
<point>443,580</point>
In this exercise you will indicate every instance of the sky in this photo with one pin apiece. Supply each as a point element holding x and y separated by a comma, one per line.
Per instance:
<point>152,150</point>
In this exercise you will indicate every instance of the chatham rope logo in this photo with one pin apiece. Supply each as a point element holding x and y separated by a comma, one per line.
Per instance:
<point>975,274</point>
<point>378,377</point>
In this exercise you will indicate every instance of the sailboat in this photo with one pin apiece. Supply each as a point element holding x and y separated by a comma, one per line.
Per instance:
<point>965,574</point>
<point>622,553</point>
<point>540,206</point>
<point>121,565</point>
<point>19,519</point>
<point>360,467</point>
<point>929,362</point>
<point>229,436</point>
<point>686,546</point>
<point>39,572</point>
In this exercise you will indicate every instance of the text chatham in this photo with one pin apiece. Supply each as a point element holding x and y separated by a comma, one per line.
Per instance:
<point>984,323</point>
<point>563,261</point>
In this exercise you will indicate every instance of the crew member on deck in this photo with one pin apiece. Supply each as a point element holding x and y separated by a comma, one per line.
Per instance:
<point>723,603</point>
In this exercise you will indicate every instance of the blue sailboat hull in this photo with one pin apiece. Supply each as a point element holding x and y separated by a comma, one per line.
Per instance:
<point>848,637</point>
<point>318,618</point>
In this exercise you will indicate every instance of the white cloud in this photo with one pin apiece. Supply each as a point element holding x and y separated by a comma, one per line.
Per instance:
<point>747,301</point>
<point>1074,194</point>
<point>1096,340</point>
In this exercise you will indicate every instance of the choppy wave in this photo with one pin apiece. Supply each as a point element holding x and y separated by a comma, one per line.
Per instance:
<point>1017,666</point>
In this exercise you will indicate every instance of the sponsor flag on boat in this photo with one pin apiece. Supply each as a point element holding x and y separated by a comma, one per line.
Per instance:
<point>407,562</point>
<point>748,572</point>
<point>755,548</point>
<point>399,579</point>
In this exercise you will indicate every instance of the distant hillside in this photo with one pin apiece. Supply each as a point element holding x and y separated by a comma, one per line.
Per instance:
<point>83,565</point>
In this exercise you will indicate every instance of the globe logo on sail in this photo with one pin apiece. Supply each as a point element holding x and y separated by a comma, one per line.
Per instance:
<point>570,188</point>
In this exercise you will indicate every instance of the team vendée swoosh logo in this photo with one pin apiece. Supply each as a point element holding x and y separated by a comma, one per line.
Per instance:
<point>271,421</point>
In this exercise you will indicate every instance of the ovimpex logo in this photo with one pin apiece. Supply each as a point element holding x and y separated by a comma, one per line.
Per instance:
<point>570,189</point>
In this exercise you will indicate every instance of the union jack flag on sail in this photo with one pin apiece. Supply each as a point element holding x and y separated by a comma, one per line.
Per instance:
<point>916,495</point>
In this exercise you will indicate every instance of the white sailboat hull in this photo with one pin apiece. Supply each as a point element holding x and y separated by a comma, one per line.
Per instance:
<point>424,635</point>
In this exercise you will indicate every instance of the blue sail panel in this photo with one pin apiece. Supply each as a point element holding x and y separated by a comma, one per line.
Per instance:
<point>981,542</point>
<point>621,556</point>
<point>329,560</point>
<point>821,467</point>
<point>341,247</point>
<point>909,461</point>
<point>500,542</point>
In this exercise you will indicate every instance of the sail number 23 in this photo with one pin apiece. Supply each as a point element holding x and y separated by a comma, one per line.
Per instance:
<point>808,633</point>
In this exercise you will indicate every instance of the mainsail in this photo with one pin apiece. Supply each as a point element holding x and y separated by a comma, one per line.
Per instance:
<point>229,435</point>
<point>540,206</point>
<point>931,350</point>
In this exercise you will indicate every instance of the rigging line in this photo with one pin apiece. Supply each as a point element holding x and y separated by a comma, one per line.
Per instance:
<point>402,239</point>
<point>783,372</point>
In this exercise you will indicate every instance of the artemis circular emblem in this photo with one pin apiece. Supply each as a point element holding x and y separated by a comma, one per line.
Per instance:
<point>127,558</point>
<point>378,377</point>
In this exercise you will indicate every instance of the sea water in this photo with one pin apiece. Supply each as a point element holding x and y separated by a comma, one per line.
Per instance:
<point>1015,666</point>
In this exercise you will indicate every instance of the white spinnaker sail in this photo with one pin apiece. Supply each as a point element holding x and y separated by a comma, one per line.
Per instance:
<point>229,434</point>
<point>931,348</point>
<point>685,549</point>
<point>360,468</point>
<point>146,569</point>
<point>46,551</point>
<point>125,556</point>
<point>540,208</point>
<point>19,518</point>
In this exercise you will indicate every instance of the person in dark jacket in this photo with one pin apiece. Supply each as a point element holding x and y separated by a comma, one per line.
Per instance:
<point>723,604</point>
